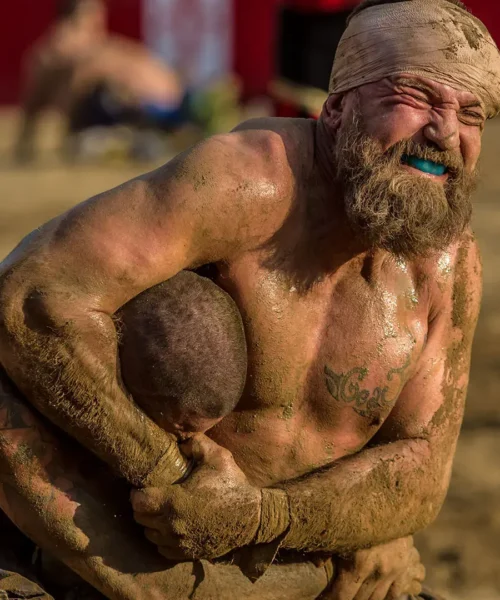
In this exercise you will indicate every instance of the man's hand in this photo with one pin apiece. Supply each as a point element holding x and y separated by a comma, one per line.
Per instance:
<point>215,511</point>
<point>381,573</point>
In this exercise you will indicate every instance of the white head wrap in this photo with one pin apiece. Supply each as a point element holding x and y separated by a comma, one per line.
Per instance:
<point>432,38</point>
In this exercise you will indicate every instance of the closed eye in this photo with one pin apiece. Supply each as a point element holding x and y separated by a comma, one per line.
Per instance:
<point>471,117</point>
<point>470,113</point>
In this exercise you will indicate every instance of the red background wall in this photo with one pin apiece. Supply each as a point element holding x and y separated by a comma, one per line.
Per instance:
<point>254,34</point>
<point>23,21</point>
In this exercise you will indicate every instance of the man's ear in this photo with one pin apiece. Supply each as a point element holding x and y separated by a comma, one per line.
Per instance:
<point>333,109</point>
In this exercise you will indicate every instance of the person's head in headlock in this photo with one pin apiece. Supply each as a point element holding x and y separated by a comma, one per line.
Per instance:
<point>412,86</point>
<point>183,353</point>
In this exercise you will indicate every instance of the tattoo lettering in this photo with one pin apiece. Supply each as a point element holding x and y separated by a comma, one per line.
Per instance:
<point>345,387</point>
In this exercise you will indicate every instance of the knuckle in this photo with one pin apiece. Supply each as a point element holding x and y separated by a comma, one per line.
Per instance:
<point>360,561</point>
<point>138,500</point>
<point>366,572</point>
<point>153,536</point>
<point>384,568</point>
<point>225,455</point>
<point>416,588</point>
<point>415,554</point>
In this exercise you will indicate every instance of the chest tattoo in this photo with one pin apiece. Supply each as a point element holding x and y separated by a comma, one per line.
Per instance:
<point>348,388</point>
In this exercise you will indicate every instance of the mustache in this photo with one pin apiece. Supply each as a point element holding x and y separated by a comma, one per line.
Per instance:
<point>451,160</point>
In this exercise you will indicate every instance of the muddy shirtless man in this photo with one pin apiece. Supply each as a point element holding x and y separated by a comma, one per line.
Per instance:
<point>346,246</point>
<point>95,78</point>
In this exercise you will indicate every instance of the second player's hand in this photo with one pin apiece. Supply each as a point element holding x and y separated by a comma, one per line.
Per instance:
<point>213,512</point>
<point>384,572</point>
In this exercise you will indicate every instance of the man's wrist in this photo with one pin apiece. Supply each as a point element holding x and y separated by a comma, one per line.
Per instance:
<point>172,467</point>
<point>274,515</point>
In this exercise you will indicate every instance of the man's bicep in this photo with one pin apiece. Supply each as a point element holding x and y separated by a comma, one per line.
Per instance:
<point>432,403</point>
<point>126,240</point>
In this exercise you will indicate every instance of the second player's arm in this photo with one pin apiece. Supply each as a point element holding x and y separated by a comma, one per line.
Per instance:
<point>68,505</point>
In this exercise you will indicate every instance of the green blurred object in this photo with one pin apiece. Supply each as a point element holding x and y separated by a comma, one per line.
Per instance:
<point>216,108</point>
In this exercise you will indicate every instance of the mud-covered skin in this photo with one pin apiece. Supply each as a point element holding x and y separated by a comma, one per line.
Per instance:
<point>71,507</point>
<point>262,204</point>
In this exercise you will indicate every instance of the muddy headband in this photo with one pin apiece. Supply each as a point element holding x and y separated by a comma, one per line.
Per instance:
<point>431,38</point>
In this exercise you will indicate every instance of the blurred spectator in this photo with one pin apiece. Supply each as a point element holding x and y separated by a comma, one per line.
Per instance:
<point>97,79</point>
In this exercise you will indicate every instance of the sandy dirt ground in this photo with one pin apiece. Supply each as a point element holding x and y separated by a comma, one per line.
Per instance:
<point>462,549</point>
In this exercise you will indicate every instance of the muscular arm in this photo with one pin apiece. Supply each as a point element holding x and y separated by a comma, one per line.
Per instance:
<point>75,516</point>
<point>44,494</point>
<point>60,288</point>
<point>398,486</point>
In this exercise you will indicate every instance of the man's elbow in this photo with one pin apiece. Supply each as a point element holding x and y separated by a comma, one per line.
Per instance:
<point>431,489</point>
<point>433,503</point>
<point>420,486</point>
<point>28,320</point>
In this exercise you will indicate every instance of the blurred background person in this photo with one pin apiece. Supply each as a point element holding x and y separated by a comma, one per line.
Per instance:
<point>97,79</point>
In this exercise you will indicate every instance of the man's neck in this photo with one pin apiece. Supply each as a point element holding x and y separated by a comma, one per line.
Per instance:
<point>324,143</point>
<point>340,240</point>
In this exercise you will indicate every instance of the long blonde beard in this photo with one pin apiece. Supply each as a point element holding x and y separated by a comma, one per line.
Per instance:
<point>394,209</point>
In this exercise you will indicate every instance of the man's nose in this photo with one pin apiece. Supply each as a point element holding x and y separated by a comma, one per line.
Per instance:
<point>443,130</point>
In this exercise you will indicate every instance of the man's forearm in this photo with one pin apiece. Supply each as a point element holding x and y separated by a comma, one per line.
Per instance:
<point>65,361</point>
<point>376,496</point>
<point>44,494</point>
<point>72,515</point>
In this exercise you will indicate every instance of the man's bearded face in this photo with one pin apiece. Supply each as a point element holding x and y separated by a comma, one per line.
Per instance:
<point>393,208</point>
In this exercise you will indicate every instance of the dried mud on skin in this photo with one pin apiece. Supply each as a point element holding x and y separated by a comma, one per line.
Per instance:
<point>461,550</point>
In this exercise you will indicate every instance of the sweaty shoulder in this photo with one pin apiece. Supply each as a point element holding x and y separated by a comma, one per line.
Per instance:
<point>223,197</point>
<point>245,179</point>
<point>290,142</point>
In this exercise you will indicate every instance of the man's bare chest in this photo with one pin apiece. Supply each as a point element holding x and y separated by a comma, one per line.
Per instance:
<point>332,361</point>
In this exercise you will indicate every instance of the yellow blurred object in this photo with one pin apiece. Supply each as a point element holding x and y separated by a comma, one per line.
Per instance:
<point>306,99</point>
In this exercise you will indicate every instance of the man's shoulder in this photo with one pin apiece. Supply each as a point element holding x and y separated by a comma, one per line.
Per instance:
<point>239,183</point>
<point>262,160</point>
<point>278,142</point>
<point>451,275</point>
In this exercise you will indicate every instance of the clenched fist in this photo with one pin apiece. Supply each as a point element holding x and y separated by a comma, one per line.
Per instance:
<point>214,511</point>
